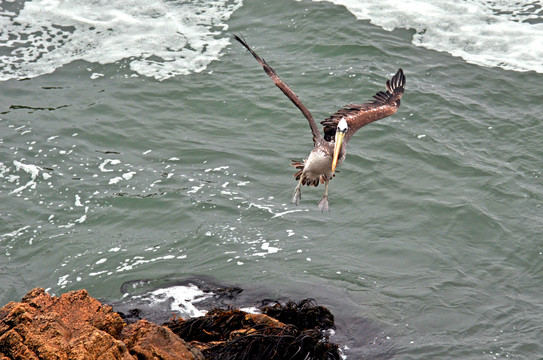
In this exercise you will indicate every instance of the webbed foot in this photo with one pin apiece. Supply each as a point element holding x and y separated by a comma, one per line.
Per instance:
<point>323,204</point>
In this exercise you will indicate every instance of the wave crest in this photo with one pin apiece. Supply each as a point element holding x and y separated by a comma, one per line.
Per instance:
<point>159,39</point>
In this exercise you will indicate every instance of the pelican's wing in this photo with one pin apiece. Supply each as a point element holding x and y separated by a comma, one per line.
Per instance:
<point>385,103</point>
<point>285,89</point>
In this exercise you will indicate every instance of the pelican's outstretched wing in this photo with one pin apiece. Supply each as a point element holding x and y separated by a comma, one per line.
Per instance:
<point>285,89</point>
<point>385,103</point>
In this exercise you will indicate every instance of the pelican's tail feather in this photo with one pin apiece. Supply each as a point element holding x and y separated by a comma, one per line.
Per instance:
<point>298,164</point>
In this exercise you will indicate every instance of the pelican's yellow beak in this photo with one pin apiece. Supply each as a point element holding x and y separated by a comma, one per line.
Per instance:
<point>337,148</point>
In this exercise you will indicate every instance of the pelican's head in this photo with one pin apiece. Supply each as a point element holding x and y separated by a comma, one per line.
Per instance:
<point>341,130</point>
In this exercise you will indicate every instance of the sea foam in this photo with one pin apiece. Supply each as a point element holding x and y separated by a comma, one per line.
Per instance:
<point>159,39</point>
<point>499,33</point>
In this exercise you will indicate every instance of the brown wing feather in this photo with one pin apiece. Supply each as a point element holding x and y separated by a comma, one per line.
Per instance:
<point>285,89</point>
<point>385,103</point>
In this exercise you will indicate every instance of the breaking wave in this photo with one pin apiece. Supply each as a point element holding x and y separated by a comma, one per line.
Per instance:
<point>498,33</point>
<point>157,38</point>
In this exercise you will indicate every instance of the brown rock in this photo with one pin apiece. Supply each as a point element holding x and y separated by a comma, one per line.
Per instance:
<point>73,326</point>
<point>78,309</point>
<point>76,326</point>
<point>150,341</point>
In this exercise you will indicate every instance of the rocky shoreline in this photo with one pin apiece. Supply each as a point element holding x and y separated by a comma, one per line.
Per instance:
<point>77,326</point>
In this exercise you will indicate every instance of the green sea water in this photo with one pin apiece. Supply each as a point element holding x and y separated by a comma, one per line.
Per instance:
<point>434,234</point>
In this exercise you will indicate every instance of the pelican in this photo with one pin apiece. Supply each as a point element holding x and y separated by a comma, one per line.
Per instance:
<point>329,150</point>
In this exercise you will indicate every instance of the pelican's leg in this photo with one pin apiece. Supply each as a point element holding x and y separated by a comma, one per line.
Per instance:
<point>297,193</point>
<point>323,203</point>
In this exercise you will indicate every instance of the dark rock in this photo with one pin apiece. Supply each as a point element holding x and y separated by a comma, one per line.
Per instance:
<point>234,334</point>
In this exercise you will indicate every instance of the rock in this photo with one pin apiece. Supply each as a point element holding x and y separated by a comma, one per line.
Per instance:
<point>234,334</point>
<point>78,309</point>
<point>71,326</point>
<point>76,326</point>
<point>150,341</point>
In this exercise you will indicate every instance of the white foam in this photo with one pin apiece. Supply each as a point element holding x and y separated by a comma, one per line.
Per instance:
<point>195,189</point>
<point>115,180</point>
<point>268,249</point>
<point>16,233</point>
<point>128,175</point>
<point>103,165</point>
<point>220,168</point>
<point>81,219</point>
<point>251,310</point>
<point>3,169</point>
<point>62,281</point>
<point>157,38</point>
<point>97,273</point>
<point>488,33</point>
<point>33,170</point>
<point>12,178</point>
<point>279,214</point>
<point>31,184</point>
<point>183,299</point>
<point>139,260</point>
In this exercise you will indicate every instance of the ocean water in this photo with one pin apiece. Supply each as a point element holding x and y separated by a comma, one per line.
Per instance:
<point>138,140</point>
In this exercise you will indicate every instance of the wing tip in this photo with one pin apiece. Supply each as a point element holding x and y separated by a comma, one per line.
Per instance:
<point>396,84</point>
<point>242,40</point>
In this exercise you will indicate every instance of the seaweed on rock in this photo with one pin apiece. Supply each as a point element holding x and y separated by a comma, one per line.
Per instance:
<point>276,343</point>
<point>288,330</point>
<point>305,314</point>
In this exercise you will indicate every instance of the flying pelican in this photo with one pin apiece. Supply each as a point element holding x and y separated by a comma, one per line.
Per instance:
<point>329,150</point>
